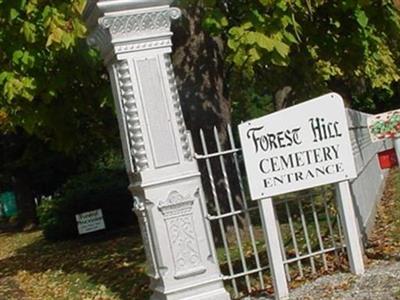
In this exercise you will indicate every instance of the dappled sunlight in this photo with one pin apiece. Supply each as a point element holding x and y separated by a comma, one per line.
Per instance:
<point>107,266</point>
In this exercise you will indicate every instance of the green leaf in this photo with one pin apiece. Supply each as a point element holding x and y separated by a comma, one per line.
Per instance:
<point>260,39</point>
<point>281,48</point>
<point>55,36</point>
<point>17,55</point>
<point>254,55</point>
<point>13,14</point>
<point>46,13</point>
<point>239,58</point>
<point>22,3</point>
<point>4,76</point>
<point>29,31</point>
<point>79,28</point>
<point>361,18</point>
<point>266,2</point>
<point>233,44</point>
<point>67,40</point>
<point>215,21</point>
<point>28,60</point>
<point>290,37</point>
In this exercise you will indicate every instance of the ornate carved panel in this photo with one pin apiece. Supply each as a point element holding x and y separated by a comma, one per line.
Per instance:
<point>178,216</point>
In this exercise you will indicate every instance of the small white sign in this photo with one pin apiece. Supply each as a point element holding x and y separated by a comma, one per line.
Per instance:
<point>90,221</point>
<point>304,146</point>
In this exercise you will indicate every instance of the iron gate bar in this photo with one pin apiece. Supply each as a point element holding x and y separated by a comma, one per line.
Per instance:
<point>226,152</point>
<point>328,219</point>
<point>230,201</point>
<point>321,244</point>
<point>238,212</point>
<point>304,224</point>
<point>244,200</point>
<point>293,234</point>
<point>305,256</point>
<point>246,273</point>
<point>220,221</point>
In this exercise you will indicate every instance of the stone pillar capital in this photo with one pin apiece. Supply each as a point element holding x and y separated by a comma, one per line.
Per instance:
<point>118,27</point>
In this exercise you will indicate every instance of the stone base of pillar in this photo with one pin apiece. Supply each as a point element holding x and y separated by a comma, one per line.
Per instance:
<point>212,291</point>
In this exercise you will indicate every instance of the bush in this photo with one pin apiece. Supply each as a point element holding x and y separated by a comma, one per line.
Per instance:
<point>102,189</point>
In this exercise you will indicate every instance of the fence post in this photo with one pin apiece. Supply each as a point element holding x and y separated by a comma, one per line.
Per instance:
<point>396,143</point>
<point>134,39</point>
<point>350,227</point>
<point>268,218</point>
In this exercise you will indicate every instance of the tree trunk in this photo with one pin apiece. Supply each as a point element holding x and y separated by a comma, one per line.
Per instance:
<point>199,68</point>
<point>199,61</point>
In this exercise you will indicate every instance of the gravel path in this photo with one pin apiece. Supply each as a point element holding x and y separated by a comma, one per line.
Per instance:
<point>380,281</point>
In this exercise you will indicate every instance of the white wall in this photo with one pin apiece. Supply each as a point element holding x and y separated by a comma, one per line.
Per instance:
<point>367,188</point>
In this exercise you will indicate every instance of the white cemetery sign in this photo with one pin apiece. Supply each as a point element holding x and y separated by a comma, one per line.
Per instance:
<point>304,146</point>
<point>90,221</point>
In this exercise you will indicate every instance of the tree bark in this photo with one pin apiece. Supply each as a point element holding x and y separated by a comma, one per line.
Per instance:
<point>199,61</point>
<point>199,67</point>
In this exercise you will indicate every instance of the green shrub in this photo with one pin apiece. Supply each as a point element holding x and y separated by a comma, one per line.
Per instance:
<point>102,189</point>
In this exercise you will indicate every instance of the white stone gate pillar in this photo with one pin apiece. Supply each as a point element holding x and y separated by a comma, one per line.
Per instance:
<point>134,38</point>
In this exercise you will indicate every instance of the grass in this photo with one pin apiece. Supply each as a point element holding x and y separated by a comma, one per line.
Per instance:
<point>110,267</point>
<point>385,240</point>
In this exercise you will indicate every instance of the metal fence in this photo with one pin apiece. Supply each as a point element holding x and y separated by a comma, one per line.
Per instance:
<point>367,188</point>
<point>309,225</point>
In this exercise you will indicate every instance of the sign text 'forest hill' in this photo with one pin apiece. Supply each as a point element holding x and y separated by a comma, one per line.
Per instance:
<point>318,161</point>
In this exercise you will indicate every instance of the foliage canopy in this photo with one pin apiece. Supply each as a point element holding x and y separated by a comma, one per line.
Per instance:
<point>309,47</point>
<point>277,53</point>
<point>51,84</point>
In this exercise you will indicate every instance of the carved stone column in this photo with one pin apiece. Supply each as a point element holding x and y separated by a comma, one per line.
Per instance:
<point>134,38</point>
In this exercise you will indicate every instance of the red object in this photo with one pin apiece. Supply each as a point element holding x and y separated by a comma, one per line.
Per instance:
<point>388,159</point>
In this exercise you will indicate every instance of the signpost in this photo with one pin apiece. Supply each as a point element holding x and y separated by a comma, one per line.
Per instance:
<point>301,147</point>
<point>386,126</point>
<point>90,221</point>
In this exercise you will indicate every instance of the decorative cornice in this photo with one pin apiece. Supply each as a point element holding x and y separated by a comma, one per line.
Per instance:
<point>144,22</point>
<point>95,9</point>
<point>143,45</point>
